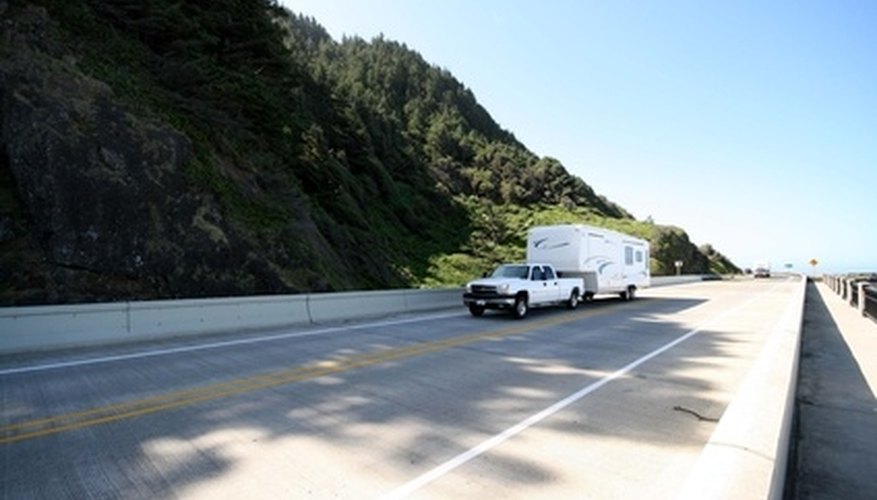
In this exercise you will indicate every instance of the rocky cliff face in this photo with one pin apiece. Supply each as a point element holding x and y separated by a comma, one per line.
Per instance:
<point>96,193</point>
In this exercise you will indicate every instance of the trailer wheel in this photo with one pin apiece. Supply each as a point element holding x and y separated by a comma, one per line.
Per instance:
<point>628,294</point>
<point>589,296</point>
<point>476,311</point>
<point>573,301</point>
<point>521,307</point>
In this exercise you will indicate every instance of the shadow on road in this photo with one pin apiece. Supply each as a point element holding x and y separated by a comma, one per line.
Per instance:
<point>431,403</point>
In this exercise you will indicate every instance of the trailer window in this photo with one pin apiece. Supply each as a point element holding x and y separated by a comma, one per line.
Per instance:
<point>639,256</point>
<point>628,256</point>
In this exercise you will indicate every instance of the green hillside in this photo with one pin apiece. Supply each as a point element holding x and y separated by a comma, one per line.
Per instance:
<point>257,155</point>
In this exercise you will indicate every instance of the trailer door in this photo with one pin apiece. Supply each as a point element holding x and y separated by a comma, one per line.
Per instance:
<point>596,252</point>
<point>629,264</point>
<point>604,258</point>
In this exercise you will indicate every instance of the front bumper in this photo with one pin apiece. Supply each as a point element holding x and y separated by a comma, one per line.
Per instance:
<point>489,301</point>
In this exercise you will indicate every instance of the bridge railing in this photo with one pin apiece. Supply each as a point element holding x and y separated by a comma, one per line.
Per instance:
<point>868,301</point>
<point>859,290</point>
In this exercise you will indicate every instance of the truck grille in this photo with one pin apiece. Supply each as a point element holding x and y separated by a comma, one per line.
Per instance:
<point>483,289</point>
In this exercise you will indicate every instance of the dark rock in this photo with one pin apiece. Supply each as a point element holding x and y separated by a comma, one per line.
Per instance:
<point>104,190</point>
<point>7,228</point>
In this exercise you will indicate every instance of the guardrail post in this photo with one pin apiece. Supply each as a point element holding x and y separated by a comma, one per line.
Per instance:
<point>862,297</point>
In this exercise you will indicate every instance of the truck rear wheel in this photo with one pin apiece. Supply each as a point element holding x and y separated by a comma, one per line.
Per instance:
<point>573,301</point>
<point>521,307</point>
<point>476,311</point>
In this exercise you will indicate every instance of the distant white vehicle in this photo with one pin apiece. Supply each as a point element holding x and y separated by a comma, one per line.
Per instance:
<point>761,270</point>
<point>609,262</point>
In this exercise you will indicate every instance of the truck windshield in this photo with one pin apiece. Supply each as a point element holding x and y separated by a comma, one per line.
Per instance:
<point>511,272</point>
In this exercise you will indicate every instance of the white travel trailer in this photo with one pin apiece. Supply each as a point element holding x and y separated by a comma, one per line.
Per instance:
<point>608,261</point>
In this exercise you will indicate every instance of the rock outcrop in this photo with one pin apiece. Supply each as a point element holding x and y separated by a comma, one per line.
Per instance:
<point>103,192</point>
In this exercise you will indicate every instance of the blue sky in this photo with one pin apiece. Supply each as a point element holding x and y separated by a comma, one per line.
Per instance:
<point>750,124</point>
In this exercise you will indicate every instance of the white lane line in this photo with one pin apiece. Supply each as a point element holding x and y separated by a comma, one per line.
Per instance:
<point>430,476</point>
<point>216,345</point>
<point>412,486</point>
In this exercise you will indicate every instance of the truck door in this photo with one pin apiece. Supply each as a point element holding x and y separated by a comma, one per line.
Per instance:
<point>543,289</point>
<point>537,288</point>
<point>552,286</point>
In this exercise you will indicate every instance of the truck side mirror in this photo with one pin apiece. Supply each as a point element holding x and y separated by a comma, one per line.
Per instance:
<point>485,274</point>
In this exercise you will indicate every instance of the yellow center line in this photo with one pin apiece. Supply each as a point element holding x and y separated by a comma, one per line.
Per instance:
<point>24,430</point>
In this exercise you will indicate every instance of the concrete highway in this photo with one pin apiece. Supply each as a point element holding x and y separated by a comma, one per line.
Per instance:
<point>612,400</point>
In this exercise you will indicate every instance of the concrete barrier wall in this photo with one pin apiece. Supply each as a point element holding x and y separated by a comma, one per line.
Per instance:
<point>417,300</point>
<point>185,317</point>
<point>675,280</point>
<point>746,456</point>
<point>52,327</point>
<point>350,305</point>
<point>26,328</point>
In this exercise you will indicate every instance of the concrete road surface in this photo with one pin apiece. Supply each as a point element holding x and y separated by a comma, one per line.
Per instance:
<point>612,400</point>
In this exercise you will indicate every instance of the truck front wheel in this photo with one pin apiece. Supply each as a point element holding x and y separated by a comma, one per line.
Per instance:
<point>521,307</point>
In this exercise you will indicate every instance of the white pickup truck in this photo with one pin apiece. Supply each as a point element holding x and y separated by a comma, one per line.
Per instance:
<point>518,287</point>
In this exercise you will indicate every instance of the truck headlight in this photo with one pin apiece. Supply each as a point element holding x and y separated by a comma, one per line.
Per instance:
<point>503,289</point>
<point>468,288</point>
